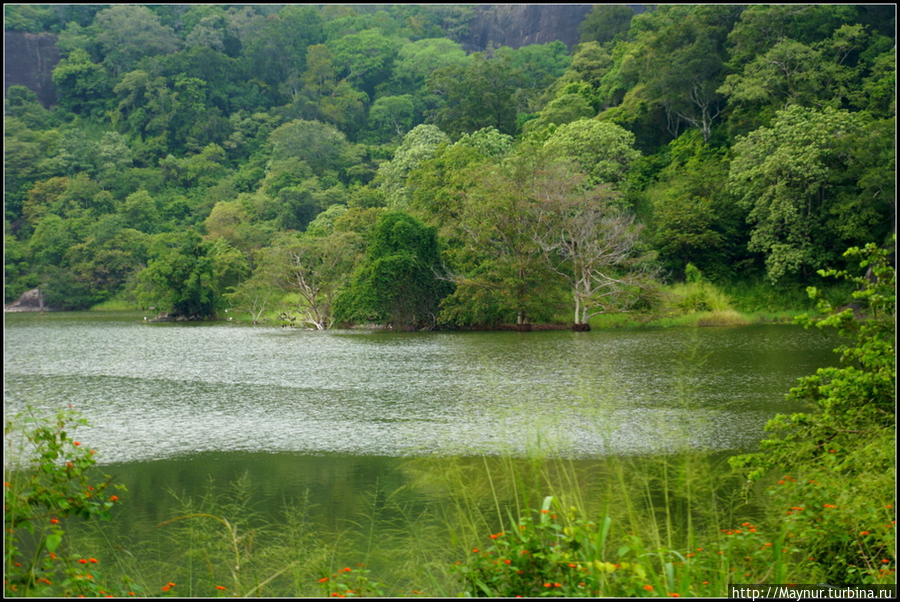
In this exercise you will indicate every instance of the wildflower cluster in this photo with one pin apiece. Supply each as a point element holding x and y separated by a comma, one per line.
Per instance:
<point>549,555</point>
<point>350,583</point>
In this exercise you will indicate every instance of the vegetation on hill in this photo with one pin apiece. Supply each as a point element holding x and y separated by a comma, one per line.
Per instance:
<point>204,157</point>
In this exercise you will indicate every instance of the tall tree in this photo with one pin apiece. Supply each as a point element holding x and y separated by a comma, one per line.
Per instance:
<point>399,282</point>
<point>589,241</point>
<point>812,187</point>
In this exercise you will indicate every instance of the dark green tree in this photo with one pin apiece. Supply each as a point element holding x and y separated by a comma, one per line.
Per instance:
<point>400,281</point>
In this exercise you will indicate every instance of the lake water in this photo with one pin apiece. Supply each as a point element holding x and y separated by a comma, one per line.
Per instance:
<point>346,420</point>
<point>155,391</point>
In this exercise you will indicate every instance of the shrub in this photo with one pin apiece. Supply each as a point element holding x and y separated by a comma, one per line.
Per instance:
<point>51,485</point>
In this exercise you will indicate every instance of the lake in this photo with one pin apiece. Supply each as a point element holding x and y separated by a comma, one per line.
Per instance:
<point>334,415</point>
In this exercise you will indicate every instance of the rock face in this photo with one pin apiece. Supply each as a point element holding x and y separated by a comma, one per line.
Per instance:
<point>31,300</point>
<point>30,59</point>
<point>516,25</point>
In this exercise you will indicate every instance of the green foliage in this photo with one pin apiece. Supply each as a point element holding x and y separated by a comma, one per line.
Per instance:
<point>419,145</point>
<point>49,484</point>
<point>846,437</point>
<point>400,280</point>
<point>301,107</point>
<point>795,177</point>
<point>606,22</point>
<point>181,277</point>
<point>603,150</point>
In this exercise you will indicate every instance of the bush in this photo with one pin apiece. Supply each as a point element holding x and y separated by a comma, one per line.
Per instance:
<point>841,454</point>
<point>51,486</point>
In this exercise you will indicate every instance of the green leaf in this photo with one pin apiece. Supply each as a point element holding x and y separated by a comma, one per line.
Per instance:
<point>53,541</point>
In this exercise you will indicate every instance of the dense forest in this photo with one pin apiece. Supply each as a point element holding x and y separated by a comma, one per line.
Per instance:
<point>355,164</point>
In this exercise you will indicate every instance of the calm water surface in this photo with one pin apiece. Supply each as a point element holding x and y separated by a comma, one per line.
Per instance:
<point>157,391</point>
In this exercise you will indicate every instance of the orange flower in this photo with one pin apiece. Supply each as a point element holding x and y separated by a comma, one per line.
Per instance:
<point>675,595</point>
<point>863,532</point>
<point>474,550</point>
<point>76,443</point>
<point>92,560</point>
<point>166,588</point>
<point>114,498</point>
<point>649,588</point>
<point>507,561</point>
<point>829,506</point>
<point>83,560</point>
<point>54,521</point>
<point>221,587</point>
<point>548,585</point>
<point>323,579</point>
<point>886,560</point>
<point>346,569</point>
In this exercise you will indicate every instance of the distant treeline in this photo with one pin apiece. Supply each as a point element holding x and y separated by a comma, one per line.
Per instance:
<point>358,163</point>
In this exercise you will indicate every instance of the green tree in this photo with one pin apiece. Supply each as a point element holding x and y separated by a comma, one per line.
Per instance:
<point>605,23</point>
<point>82,86</point>
<point>399,281</point>
<point>603,150</point>
<point>801,180</point>
<point>419,144</point>
<point>475,95</point>
<point>128,33</point>
<point>321,146</point>
<point>416,60</point>
<point>364,58</point>
<point>693,217</point>
<point>681,62</point>
<point>500,270</point>
<point>180,277</point>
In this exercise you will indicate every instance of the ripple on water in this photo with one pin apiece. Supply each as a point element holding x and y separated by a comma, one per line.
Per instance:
<point>161,392</point>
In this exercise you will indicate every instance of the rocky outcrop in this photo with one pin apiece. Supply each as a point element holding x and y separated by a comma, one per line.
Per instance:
<point>30,59</point>
<point>516,25</point>
<point>32,300</point>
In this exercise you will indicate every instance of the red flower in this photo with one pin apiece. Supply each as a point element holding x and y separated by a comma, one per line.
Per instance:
<point>92,560</point>
<point>323,579</point>
<point>114,498</point>
<point>221,587</point>
<point>649,588</point>
<point>76,443</point>
<point>54,521</point>
<point>82,560</point>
